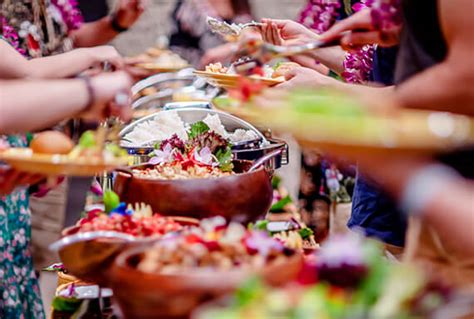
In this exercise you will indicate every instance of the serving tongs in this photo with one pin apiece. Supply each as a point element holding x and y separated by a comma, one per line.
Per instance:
<point>264,51</point>
<point>226,29</point>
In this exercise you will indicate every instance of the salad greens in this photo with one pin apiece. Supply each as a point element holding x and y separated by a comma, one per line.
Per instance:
<point>197,129</point>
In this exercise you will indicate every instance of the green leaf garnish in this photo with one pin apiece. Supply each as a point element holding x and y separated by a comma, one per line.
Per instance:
<point>305,233</point>
<point>64,304</point>
<point>225,159</point>
<point>87,140</point>
<point>276,181</point>
<point>280,205</point>
<point>197,129</point>
<point>111,200</point>
<point>261,224</point>
<point>277,65</point>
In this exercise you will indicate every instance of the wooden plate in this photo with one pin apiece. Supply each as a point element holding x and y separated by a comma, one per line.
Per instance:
<point>161,68</point>
<point>407,131</point>
<point>24,160</point>
<point>231,81</point>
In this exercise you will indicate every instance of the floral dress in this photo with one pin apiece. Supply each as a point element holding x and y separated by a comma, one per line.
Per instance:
<point>19,289</point>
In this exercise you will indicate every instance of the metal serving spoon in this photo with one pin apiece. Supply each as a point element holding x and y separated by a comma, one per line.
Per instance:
<point>226,29</point>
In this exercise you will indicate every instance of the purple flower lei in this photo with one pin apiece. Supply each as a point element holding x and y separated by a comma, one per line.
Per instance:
<point>358,64</point>
<point>320,15</point>
<point>71,15</point>
<point>386,14</point>
<point>10,35</point>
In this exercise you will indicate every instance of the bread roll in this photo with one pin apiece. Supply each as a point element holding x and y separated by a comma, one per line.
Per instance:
<point>51,142</point>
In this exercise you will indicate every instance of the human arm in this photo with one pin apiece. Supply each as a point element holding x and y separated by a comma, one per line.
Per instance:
<point>443,87</point>
<point>447,202</point>
<point>14,66</point>
<point>34,105</point>
<point>446,86</point>
<point>288,33</point>
<point>102,31</point>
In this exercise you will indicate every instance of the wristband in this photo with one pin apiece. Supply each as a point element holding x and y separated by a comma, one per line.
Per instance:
<point>424,186</point>
<point>116,25</point>
<point>90,92</point>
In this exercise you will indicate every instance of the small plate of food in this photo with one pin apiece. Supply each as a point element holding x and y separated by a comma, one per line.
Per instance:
<point>165,61</point>
<point>54,153</point>
<point>245,68</point>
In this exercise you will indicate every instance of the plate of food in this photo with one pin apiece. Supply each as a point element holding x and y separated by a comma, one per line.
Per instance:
<point>338,123</point>
<point>175,275</point>
<point>163,61</point>
<point>230,77</point>
<point>88,248</point>
<point>53,153</point>
<point>197,164</point>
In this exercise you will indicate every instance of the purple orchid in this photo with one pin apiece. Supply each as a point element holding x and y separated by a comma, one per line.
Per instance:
<point>204,156</point>
<point>162,156</point>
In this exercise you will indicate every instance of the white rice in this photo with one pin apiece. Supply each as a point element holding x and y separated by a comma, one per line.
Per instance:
<point>165,124</point>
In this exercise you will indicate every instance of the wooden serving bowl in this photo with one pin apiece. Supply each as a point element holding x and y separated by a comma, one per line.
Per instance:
<point>242,197</point>
<point>143,295</point>
<point>90,258</point>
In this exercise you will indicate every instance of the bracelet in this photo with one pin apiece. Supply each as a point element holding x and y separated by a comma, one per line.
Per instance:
<point>90,92</point>
<point>116,25</point>
<point>423,186</point>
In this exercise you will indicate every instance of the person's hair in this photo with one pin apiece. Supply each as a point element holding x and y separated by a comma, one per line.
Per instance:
<point>241,7</point>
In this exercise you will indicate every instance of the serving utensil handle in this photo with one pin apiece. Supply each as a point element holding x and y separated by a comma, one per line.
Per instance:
<point>258,163</point>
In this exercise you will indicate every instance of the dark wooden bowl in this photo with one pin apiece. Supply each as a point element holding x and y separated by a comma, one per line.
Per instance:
<point>242,197</point>
<point>148,296</point>
<point>91,260</point>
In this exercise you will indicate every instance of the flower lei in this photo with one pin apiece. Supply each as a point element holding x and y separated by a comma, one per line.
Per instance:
<point>320,15</point>
<point>10,35</point>
<point>71,15</point>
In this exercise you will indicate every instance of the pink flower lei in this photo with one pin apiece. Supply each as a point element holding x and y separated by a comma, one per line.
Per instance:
<point>71,15</point>
<point>10,35</point>
<point>320,15</point>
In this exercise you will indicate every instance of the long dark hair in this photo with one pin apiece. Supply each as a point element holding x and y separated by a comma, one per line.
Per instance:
<point>241,7</point>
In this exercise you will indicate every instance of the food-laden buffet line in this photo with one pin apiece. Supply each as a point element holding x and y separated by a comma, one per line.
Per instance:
<point>190,221</point>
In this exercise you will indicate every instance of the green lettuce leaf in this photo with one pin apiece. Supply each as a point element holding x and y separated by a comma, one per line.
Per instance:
<point>280,205</point>
<point>225,159</point>
<point>197,129</point>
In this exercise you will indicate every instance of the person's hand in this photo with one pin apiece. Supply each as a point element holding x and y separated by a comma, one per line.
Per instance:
<point>107,89</point>
<point>221,54</point>
<point>361,32</point>
<point>286,32</point>
<point>128,12</point>
<point>305,77</point>
<point>138,73</point>
<point>11,179</point>
<point>104,54</point>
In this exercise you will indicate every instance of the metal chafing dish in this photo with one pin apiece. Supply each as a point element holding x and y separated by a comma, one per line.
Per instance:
<point>157,90</point>
<point>191,112</point>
